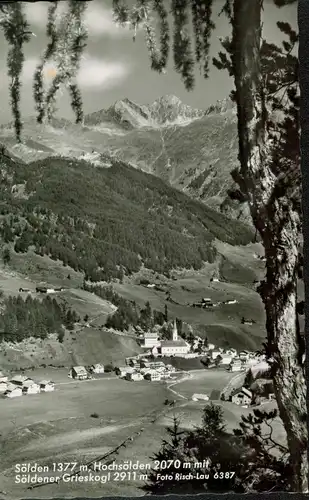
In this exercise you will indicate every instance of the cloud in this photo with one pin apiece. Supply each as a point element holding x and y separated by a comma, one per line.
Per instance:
<point>98,19</point>
<point>100,73</point>
<point>93,73</point>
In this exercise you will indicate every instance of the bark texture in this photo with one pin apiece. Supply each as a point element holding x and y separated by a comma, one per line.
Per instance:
<point>277,219</point>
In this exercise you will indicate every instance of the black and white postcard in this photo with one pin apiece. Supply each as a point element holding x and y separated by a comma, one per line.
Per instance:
<point>151,249</point>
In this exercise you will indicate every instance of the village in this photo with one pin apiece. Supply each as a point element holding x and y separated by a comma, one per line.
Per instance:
<point>155,364</point>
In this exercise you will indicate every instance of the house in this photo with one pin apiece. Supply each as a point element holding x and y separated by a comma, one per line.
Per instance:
<point>3,386</point>
<point>41,289</point>
<point>244,355</point>
<point>225,359</point>
<point>150,340</point>
<point>31,387</point>
<point>79,373</point>
<point>215,353</point>
<point>214,280</point>
<point>123,370</point>
<point>97,368</point>
<point>153,376</point>
<point>3,378</point>
<point>156,365</point>
<point>47,386</point>
<point>20,380</point>
<point>24,290</point>
<point>200,397</point>
<point>242,397</point>
<point>13,391</point>
<point>235,365</point>
<point>134,376</point>
<point>211,347</point>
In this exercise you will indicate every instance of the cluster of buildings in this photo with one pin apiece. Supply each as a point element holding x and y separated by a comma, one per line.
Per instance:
<point>42,289</point>
<point>83,373</point>
<point>207,303</point>
<point>175,347</point>
<point>21,385</point>
<point>143,369</point>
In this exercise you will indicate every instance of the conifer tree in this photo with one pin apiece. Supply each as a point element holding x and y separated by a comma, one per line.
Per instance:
<point>17,32</point>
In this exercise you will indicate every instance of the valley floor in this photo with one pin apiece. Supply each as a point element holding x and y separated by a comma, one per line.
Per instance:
<point>58,427</point>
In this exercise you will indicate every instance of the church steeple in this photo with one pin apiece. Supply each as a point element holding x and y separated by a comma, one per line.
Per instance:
<point>175,331</point>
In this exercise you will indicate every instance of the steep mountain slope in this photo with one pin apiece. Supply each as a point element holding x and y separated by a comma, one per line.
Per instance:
<point>108,221</point>
<point>193,150</point>
<point>167,110</point>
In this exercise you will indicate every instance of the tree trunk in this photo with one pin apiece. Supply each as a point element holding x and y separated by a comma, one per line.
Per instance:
<point>279,226</point>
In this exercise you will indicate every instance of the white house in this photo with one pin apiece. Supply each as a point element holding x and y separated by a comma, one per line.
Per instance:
<point>135,376</point>
<point>97,368</point>
<point>225,359</point>
<point>13,391</point>
<point>79,373</point>
<point>150,340</point>
<point>152,376</point>
<point>244,355</point>
<point>19,380</point>
<point>211,347</point>
<point>215,353</point>
<point>31,387</point>
<point>242,397</point>
<point>235,365</point>
<point>200,397</point>
<point>47,386</point>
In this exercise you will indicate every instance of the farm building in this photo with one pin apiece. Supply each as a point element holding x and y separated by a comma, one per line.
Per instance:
<point>150,340</point>
<point>13,392</point>
<point>31,387</point>
<point>134,376</point>
<point>3,378</point>
<point>152,376</point>
<point>97,368</point>
<point>41,289</point>
<point>242,397</point>
<point>79,372</point>
<point>200,397</point>
<point>20,380</point>
<point>3,386</point>
<point>47,386</point>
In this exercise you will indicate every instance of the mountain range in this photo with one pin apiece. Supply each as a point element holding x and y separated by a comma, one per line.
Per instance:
<point>193,150</point>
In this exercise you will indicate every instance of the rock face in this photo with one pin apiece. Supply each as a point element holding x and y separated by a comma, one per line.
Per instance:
<point>167,110</point>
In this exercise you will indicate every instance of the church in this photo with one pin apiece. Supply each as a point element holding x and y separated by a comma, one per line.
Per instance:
<point>175,347</point>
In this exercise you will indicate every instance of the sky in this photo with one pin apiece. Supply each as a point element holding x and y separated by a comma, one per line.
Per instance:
<point>115,67</point>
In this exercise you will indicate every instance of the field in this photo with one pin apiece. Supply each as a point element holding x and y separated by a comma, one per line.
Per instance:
<point>58,426</point>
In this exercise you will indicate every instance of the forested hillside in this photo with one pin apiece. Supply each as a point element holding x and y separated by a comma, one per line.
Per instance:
<point>107,221</point>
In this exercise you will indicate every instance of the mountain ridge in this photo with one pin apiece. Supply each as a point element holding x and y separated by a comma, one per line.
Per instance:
<point>192,150</point>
